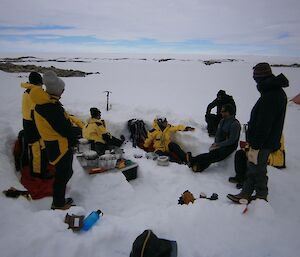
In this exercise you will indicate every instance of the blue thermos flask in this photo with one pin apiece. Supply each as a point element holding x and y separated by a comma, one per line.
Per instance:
<point>90,220</point>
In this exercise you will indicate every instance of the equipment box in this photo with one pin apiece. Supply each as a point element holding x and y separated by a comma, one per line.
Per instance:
<point>128,168</point>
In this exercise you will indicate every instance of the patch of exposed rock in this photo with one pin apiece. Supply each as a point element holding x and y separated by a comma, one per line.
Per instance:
<point>294,65</point>
<point>14,68</point>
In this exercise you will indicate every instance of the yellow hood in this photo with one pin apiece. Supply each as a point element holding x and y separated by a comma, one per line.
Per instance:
<point>27,85</point>
<point>39,96</point>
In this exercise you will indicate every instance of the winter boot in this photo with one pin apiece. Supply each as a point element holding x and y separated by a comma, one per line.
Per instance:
<point>68,204</point>
<point>122,137</point>
<point>188,159</point>
<point>239,198</point>
<point>239,185</point>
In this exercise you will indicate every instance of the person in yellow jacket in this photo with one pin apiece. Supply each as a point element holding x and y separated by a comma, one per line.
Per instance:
<point>55,128</point>
<point>95,131</point>
<point>159,138</point>
<point>36,148</point>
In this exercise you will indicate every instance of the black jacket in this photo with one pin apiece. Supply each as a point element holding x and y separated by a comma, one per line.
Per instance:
<point>267,116</point>
<point>219,102</point>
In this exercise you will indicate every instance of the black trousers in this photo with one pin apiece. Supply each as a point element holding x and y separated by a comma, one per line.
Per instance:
<point>176,154</point>
<point>109,142</point>
<point>240,165</point>
<point>212,121</point>
<point>202,161</point>
<point>257,178</point>
<point>63,173</point>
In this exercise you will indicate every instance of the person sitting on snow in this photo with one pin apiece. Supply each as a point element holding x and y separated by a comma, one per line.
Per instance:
<point>226,141</point>
<point>95,131</point>
<point>214,119</point>
<point>160,139</point>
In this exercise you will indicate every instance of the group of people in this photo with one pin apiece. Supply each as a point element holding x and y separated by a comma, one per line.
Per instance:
<point>51,133</point>
<point>264,136</point>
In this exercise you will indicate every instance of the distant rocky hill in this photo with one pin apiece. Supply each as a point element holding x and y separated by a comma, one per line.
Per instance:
<point>294,65</point>
<point>8,65</point>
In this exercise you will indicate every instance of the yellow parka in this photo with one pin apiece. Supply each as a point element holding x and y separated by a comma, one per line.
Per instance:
<point>160,139</point>
<point>53,124</point>
<point>76,121</point>
<point>28,105</point>
<point>94,130</point>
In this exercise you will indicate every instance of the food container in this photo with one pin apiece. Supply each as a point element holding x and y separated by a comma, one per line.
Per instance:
<point>83,145</point>
<point>163,160</point>
<point>107,161</point>
<point>91,158</point>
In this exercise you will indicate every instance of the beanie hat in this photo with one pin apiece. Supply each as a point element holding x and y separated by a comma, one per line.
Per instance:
<point>35,78</point>
<point>262,69</point>
<point>54,85</point>
<point>95,112</point>
<point>221,93</point>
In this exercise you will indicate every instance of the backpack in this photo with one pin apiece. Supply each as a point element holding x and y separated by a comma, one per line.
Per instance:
<point>20,151</point>
<point>137,131</point>
<point>148,244</point>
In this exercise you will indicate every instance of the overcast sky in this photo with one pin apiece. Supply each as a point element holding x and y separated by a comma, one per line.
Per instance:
<point>268,27</point>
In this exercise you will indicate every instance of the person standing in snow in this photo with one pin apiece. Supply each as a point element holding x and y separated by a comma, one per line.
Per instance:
<point>36,147</point>
<point>95,131</point>
<point>264,131</point>
<point>213,120</point>
<point>226,141</point>
<point>159,138</point>
<point>55,128</point>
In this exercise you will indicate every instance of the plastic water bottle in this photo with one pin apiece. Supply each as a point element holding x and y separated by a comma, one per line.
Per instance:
<point>90,220</point>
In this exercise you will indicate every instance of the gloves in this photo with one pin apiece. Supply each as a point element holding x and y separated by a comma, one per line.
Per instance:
<point>189,128</point>
<point>14,193</point>
<point>253,156</point>
<point>186,198</point>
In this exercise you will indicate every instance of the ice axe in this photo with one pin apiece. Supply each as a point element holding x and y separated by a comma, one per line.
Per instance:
<point>107,99</point>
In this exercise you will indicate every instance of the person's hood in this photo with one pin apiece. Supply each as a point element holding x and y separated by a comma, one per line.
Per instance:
<point>28,85</point>
<point>273,83</point>
<point>39,96</point>
<point>157,127</point>
<point>94,120</point>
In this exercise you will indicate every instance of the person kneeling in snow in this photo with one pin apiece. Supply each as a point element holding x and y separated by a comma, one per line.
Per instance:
<point>214,119</point>
<point>95,131</point>
<point>226,141</point>
<point>55,128</point>
<point>160,139</point>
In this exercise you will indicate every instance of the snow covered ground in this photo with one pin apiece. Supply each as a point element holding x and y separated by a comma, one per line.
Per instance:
<point>179,90</point>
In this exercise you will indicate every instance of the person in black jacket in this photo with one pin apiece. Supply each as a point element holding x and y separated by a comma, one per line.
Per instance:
<point>264,131</point>
<point>226,141</point>
<point>214,119</point>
